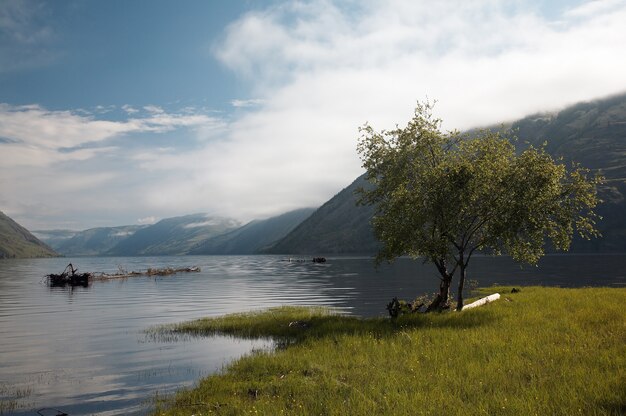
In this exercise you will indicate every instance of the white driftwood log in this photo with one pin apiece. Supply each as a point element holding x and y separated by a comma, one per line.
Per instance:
<point>482,301</point>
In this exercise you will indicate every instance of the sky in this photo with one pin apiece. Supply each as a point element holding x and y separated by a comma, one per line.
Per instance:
<point>126,112</point>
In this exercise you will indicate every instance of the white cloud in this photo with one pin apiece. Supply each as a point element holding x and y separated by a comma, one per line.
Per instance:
<point>38,133</point>
<point>18,155</point>
<point>103,109</point>
<point>323,69</point>
<point>246,103</point>
<point>154,109</point>
<point>147,220</point>
<point>319,70</point>
<point>65,164</point>
<point>129,109</point>
<point>477,55</point>
<point>592,8</point>
<point>123,233</point>
<point>210,222</point>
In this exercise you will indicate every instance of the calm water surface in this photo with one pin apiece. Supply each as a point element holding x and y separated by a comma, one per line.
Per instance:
<point>84,351</point>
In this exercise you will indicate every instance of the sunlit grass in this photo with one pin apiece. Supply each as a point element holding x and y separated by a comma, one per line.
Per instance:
<point>543,351</point>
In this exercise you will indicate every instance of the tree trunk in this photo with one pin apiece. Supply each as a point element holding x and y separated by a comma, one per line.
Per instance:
<point>441,300</point>
<point>459,299</point>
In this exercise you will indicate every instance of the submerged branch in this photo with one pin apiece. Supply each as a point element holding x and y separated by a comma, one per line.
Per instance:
<point>150,272</point>
<point>71,277</point>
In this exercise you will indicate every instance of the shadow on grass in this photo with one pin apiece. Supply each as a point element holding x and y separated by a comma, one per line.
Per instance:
<point>288,325</point>
<point>617,408</point>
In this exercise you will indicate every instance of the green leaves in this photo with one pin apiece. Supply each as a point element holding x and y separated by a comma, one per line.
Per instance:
<point>443,196</point>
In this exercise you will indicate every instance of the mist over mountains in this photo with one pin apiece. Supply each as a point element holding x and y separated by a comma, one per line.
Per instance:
<point>173,236</point>
<point>255,237</point>
<point>592,134</point>
<point>91,242</point>
<point>189,234</point>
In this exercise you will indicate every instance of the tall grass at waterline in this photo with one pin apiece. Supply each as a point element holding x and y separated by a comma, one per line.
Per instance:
<point>543,351</point>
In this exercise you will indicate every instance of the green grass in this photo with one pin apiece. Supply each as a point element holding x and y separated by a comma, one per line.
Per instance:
<point>543,351</point>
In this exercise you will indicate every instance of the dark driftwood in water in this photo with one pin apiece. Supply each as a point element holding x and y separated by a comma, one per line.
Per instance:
<point>71,277</point>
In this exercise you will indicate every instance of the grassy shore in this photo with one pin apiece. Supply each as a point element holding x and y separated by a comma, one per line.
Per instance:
<point>542,351</point>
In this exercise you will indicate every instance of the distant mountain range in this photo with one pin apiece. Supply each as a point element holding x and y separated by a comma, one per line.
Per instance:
<point>255,236</point>
<point>190,234</point>
<point>593,134</point>
<point>92,242</point>
<point>173,236</point>
<point>17,242</point>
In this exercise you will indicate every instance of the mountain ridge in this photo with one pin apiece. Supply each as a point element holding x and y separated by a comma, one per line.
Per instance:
<point>591,133</point>
<point>173,236</point>
<point>339,226</point>
<point>252,237</point>
<point>90,242</point>
<point>17,242</point>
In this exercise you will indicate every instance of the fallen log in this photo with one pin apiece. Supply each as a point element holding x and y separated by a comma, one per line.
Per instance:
<point>149,272</point>
<point>482,301</point>
<point>71,277</point>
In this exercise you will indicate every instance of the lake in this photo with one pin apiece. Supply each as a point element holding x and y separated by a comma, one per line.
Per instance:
<point>85,351</point>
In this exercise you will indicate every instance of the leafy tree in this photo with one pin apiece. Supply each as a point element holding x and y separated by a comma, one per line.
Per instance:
<point>443,196</point>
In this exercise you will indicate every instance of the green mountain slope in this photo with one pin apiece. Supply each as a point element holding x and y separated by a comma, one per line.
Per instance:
<point>254,236</point>
<point>92,242</point>
<point>173,236</point>
<point>592,134</point>
<point>337,227</point>
<point>17,242</point>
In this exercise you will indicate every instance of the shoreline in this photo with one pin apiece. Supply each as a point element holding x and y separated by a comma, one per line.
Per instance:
<point>543,350</point>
